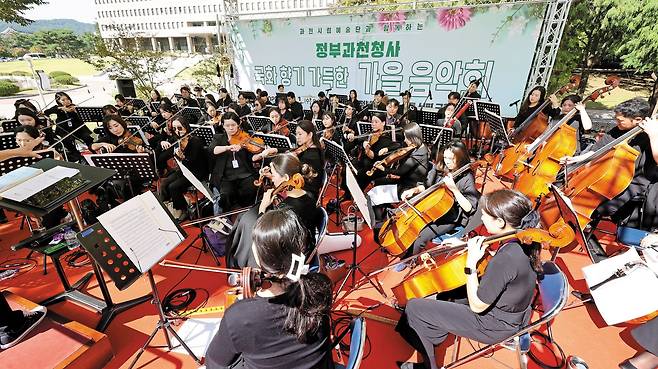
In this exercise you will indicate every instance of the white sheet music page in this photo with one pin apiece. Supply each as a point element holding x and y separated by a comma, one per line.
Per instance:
<point>625,298</point>
<point>35,184</point>
<point>142,228</point>
<point>194,180</point>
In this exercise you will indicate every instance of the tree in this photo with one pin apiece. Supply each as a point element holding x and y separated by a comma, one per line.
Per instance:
<point>205,73</point>
<point>145,67</point>
<point>13,10</point>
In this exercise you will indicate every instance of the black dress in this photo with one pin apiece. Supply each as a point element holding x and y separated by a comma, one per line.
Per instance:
<point>364,163</point>
<point>175,184</point>
<point>239,254</point>
<point>74,122</point>
<point>313,157</point>
<point>251,336</point>
<point>507,285</point>
<point>235,184</point>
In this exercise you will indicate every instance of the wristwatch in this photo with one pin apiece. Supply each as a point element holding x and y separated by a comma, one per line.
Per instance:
<point>468,271</point>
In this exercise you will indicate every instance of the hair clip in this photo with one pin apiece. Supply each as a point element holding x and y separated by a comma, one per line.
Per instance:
<point>297,267</point>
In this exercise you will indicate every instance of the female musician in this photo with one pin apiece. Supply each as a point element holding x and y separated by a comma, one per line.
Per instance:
<point>329,132</point>
<point>448,160</point>
<point>122,105</point>
<point>155,100</point>
<point>356,104</point>
<point>192,155</point>
<point>27,117</point>
<point>186,98</point>
<point>530,104</point>
<point>279,126</point>
<point>209,98</point>
<point>232,174</point>
<point>373,148</point>
<point>243,109</point>
<point>310,153</point>
<point>260,109</point>
<point>316,112</point>
<point>224,97</point>
<point>499,304</point>
<point>65,110</point>
<point>109,110</point>
<point>448,112</point>
<point>403,175</point>
<point>287,324</point>
<point>284,109</point>
<point>581,121</point>
<point>282,169</point>
<point>213,114</point>
<point>628,115</point>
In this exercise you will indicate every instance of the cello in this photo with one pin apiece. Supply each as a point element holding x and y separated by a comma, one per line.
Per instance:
<point>558,141</point>
<point>447,273</point>
<point>509,162</point>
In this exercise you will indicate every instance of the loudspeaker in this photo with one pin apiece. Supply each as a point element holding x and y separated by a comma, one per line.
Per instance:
<point>126,87</point>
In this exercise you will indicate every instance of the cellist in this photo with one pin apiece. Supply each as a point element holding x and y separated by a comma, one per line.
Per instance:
<point>498,304</point>
<point>448,160</point>
<point>581,121</point>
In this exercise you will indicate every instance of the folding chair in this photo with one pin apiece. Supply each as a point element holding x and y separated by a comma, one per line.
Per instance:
<point>357,344</point>
<point>321,232</point>
<point>553,291</point>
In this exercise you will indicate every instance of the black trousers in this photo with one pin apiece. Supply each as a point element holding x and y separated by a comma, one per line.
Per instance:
<point>238,193</point>
<point>9,318</point>
<point>173,187</point>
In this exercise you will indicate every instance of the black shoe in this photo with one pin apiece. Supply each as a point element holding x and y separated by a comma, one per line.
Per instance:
<point>583,296</point>
<point>627,365</point>
<point>410,365</point>
<point>10,337</point>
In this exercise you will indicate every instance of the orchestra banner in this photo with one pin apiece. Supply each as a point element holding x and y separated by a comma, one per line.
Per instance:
<point>431,50</point>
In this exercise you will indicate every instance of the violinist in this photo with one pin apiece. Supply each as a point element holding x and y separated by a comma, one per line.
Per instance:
<point>284,169</point>
<point>164,135</point>
<point>498,304</point>
<point>155,99</point>
<point>279,127</point>
<point>447,161</point>
<point>186,98</point>
<point>453,98</point>
<point>329,132</point>
<point>232,175</point>
<point>209,98</point>
<point>372,148</point>
<point>109,110</point>
<point>224,97</point>
<point>316,111</point>
<point>213,114</point>
<point>198,91</point>
<point>395,119</point>
<point>242,109</point>
<point>260,109</point>
<point>24,104</point>
<point>534,100</point>
<point>65,110</point>
<point>349,119</point>
<point>323,102</point>
<point>284,109</point>
<point>581,121</point>
<point>310,153</point>
<point>295,106</point>
<point>378,102</point>
<point>408,110</point>
<point>27,117</point>
<point>354,99</point>
<point>404,174</point>
<point>123,107</point>
<point>286,325</point>
<point>189,150</point>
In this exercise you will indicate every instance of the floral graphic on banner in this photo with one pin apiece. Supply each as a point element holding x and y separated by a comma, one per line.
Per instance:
<point>390,22</point>
<point>453,18</point>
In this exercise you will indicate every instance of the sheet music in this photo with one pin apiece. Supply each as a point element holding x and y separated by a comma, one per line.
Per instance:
<point>35,184</point>
<point>194,180</point>
<point>142,228</point>
<point>625,298</point>
<point>358,196</point>
<point>18,176</point>
<point>384,194</point>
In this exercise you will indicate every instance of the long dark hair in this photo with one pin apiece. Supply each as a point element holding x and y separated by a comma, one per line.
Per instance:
<point>516,210</point>
<point>289,164</point>
<point>458,149</point>
<point>277,236</point>
<point>116,118</point>
<point>526,103</point>
<point>309,127</point>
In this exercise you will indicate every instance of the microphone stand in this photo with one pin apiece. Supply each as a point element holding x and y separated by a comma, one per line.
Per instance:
<point>484,87</point>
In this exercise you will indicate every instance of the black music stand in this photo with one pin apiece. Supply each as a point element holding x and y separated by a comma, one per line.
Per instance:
<point>10,164</point>
<point>192,115</point>
<point>292,126</point>
<point>205,133</point>
<point>8,141</point>
<point>375,111</point>
<point>201,101</point>
<point>249,95</point>
<point>128,166</point>
<point>429,116</point>
<point>363,128</point>
<point>494,120</point>
<point>337,153</point>
<point>338,112</point>
<point>279,142</point>
<point>138,104</point>
<point>259,123</point>
<point>307,112</point>
<point>318,124</point>
<point>435,134</point>
<point>116,259</point>
<point>138,120</point>
<point>105,306</point>
<point>90,113</point>
<point>155,105</point>
<point>9,125</point>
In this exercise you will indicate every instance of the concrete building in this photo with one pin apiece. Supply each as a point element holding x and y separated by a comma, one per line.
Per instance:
<point>186,26</point>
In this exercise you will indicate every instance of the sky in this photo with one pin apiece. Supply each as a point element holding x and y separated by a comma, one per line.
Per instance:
<point>80,10</point>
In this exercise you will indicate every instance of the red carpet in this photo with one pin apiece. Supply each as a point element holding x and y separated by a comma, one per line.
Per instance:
<point>579,329</point>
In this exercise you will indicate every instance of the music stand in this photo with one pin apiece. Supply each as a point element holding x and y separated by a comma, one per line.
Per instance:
<point>192,114</point>
<point>343,99</point>
<point>10,164</point>
<point>363,128</point>
<point>249,95</point>
<point>307,112</point>
<point>8,141</point>
<point>429,116</point>
<point>203,132</point>
<point>90,113</point>
<point>318,124</point>
<point>570,218</point>
<point>138,120</point>
<point>113,245</point>
<point>338,112</point>
<point>155,105</point>
<point>136,103</point>
<point>376,111</point>
<point>9,125</point>
<point>292,126</point>
<point>201,101</point>
<point>495,122</point>
<point>128,166</point>
<point>258,123</point>
<point>435,134</point>
<point>338,154</point>
<point>278,142</point>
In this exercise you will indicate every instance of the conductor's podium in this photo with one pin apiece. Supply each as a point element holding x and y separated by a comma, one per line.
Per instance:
<point>54,345</point>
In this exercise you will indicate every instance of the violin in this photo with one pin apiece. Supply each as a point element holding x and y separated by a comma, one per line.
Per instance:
<point>391,159</point>
<point>280,192</point>
<point>447,273</point>
<point>281,128</point>
<point>300,149</point>
<point>254,145</point>
<point>131,142</point>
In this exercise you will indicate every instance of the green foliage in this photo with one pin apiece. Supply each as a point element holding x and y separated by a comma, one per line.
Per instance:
<point>7,88</point>
<point>641,50</point>
<point>20,73</point>
<point>56,73</point>
<point>13,10</point>
<point>57,42</point>
<point>65,79</point>
<point>46,24</point>
<point>205,73</point>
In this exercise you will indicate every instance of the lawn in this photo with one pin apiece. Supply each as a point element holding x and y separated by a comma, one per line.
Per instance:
<point>74,67</point>
<point>628,89</point>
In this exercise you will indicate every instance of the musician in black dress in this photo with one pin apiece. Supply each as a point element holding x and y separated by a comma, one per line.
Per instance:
<point>462,187</point>
<point>581,121</point>
<point>395,119</point>
<point>233,174</point>
<point>187,99</point>
<point>224,97</point>
<point>329,132</point>
<point>286,325</point>
<point>354,99</point>
<point>499,303</point>
<point>530,105</point>
<point>282,169</point>
<point>295,106</point>
<point>284,109</point>
<point>316,111</point>
<point>371,149</point>
<point>378,102</point>
<point>122,105</point>
<point>66,112</point>
<point>190,152</point>
<point>242,109</point>
<point>323,101</point>
<point>309,152</point>
<point>27,117</point>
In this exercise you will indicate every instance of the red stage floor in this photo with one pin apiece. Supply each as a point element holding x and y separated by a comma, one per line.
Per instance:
<point>579,329</point>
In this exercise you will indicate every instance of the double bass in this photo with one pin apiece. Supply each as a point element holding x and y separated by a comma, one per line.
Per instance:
<point>509,163</point>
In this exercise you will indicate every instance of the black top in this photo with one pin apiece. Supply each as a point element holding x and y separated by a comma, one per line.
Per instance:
<point>191,102</point>
<point>466,185</point>
<point>508,283</point>
<point>225,101</point>
<point>114,140</point>
<point>243,111</point>
<point>412,170</point>
<point>473,95</point>
<point>196,158</point>
<point>288,115</point>
<point>646,170</point>
<point>74,122</point>
<point>297,110</point>
<point>219,163</point>
<point>324,104</point>
<point>456,127</point>
<point>313,157</point>
<point>253,328</point>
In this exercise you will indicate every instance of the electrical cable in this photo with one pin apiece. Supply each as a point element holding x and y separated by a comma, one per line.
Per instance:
<point>547,342</point>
